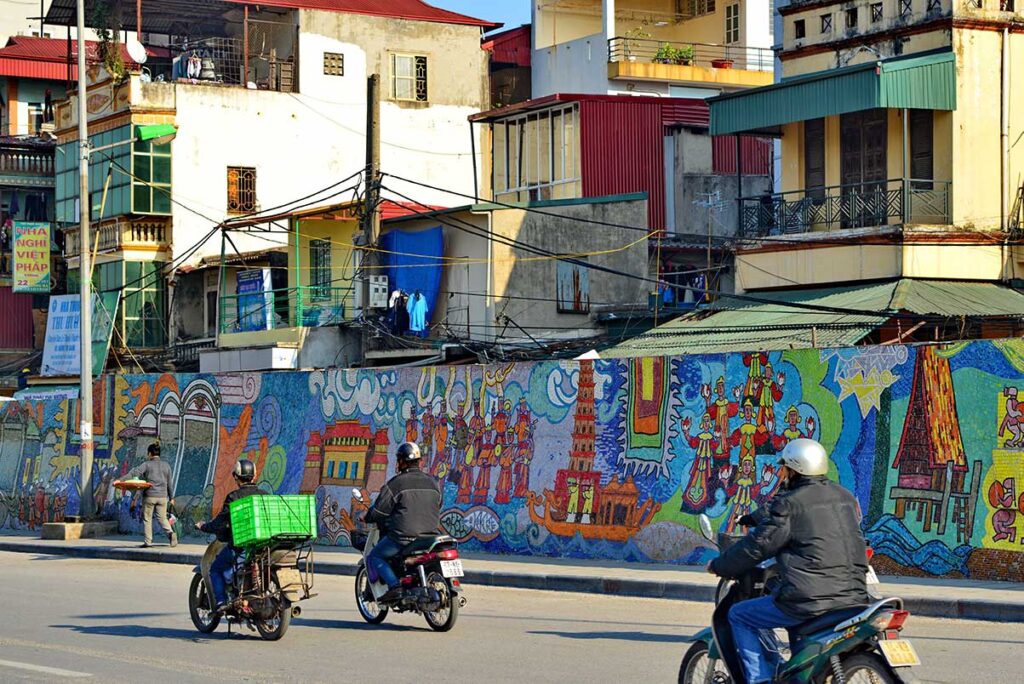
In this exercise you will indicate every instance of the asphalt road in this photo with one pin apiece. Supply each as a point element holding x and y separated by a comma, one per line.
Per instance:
<point>65,618</point>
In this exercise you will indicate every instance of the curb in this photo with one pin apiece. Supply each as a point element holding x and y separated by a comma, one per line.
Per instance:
<point>951,608</point>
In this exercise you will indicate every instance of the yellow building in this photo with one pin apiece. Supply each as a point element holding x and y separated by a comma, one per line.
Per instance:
<point>897,122</point>
<point>298,315</point>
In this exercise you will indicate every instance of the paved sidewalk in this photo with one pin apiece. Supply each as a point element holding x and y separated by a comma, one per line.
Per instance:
<point>1000,601</point>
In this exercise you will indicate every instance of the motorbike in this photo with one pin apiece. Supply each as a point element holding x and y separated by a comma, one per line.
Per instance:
<point>847,646</point>
<point>264,587</point>
<point>428,568</point>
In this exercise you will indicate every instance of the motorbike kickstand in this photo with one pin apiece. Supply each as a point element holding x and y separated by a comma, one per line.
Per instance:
<point>837,670</point>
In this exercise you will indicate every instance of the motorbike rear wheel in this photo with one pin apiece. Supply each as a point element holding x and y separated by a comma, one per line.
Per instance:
<point>199,608</point>
<point>274,628</point>
<point>866,668</point>
<point>442,619</point>
<point>372,612</point>
<point>698,668</point>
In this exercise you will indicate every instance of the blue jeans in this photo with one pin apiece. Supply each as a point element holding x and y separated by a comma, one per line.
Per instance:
<point>223,563</point>
<point>379,558</point>
<point>747,619</point>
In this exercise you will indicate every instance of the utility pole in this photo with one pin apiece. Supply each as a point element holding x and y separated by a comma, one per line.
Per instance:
<point>86,507</point>
<point>371,217</point>
<point>713,200</point>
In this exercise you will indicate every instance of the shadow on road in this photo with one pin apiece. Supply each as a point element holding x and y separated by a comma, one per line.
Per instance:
<point>621,636</point>
<point>122,616</point>
<point>357,625</point>
<point>141,631</point>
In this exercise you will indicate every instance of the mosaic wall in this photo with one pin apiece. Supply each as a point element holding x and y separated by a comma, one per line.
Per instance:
<point>604,459</point>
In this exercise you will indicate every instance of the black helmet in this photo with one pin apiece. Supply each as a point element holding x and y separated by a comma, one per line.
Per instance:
<point>408,452</point>
<point>245,470</point>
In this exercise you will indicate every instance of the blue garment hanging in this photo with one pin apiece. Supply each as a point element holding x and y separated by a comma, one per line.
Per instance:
<point>417,308</point>
<point>413,263</point>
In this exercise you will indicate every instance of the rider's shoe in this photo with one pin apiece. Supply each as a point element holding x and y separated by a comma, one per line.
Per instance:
<point>392,595</point>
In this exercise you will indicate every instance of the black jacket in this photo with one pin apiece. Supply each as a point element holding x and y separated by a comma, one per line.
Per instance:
<point>409,505</point>
<point>814,530</point>
<point>221,525</point>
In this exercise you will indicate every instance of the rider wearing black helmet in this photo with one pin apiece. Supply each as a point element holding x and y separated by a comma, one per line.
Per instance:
<point>244,475</point>
<point>408,506</point>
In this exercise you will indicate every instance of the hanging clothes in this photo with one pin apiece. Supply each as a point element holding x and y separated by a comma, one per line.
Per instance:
<point>417,308</point>
<point>15,208</point>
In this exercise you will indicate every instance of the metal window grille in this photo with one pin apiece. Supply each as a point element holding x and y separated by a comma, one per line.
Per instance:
<point>241,190</point>
<point>876,12</point>
<point>409,78</point>
<point>826,23</point>
<point>905,8</point>
<point>334,64</point>
<point>698,8</point>
<point>976,4</point>
<point>320,269</point>
<point>934,5</point>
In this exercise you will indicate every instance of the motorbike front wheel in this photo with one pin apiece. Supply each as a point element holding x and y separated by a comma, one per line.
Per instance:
<point>442,619</point>
<point>866,668</point>
<point>372,612</point>
<point>274,628</point>
<point>698,668</point>
<point>199,608</point>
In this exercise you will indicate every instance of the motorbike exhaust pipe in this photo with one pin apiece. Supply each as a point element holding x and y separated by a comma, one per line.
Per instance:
<point>462,602</point>
<point>296,611</point>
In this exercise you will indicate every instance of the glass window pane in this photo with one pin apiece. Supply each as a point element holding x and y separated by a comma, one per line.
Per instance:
<point>403,66</point>
<point>143,167</point>
<point>132,272</point>
<point>161,201</point>
<point>133,305</point>
<point>161,169</point>
<point>141,203</point>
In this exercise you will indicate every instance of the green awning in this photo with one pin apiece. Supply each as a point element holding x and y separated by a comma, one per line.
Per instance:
<point>916,82</point>
<point>778,325</point>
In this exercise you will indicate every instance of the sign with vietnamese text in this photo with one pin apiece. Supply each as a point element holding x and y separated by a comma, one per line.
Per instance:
<point>255,300</point>
<point>31,257</point>
<point>62,354</point>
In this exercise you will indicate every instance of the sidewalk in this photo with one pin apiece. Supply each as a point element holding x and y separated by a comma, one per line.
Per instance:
<point>999,601</point>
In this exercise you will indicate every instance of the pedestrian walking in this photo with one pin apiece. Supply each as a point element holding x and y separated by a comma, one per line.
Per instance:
<point>157,498</point>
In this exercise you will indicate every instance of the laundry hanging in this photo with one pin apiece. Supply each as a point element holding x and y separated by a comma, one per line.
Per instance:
<point>412,263</point>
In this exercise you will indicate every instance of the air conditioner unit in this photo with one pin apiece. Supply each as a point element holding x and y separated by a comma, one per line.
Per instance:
<point>378,292</point>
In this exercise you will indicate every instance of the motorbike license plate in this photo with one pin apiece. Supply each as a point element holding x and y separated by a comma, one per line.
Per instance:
<point>452,568</point>
<point>899,652</point>
<point>872,578</point>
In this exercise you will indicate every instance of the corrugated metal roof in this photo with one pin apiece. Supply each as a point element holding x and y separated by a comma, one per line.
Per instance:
<point>510,47</point>
<point>46,59</point>
<point>776,326</point>
<point>919,81</point>
<point>16,323</point>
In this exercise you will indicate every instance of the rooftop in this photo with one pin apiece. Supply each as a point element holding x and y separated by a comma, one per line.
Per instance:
<point>46,59</point>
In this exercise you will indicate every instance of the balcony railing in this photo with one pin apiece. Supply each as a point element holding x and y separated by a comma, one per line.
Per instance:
<point>840,207</point>
<point>301,307</point>
<point>691,54</point>
<point>117,235</point>
<point>26,160</point>
<point>187,352</point>
<point>268,60</point>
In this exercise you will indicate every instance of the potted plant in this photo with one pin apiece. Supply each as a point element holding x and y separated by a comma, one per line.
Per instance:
<point>684,55</point>
<point>725,62</point>
<point>666,54</point>
<point>633,36</point>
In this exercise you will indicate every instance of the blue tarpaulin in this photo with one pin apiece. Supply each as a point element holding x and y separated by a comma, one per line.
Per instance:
<point>413,262</point>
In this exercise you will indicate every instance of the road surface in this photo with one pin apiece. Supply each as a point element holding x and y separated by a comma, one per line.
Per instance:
<point>67,619</point>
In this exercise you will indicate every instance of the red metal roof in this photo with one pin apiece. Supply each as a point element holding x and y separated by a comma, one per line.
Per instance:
<point>510,47</point>
<point>46,59</point>
<point>389,209</point>
<point>675,111</point>
<point>414,10</point>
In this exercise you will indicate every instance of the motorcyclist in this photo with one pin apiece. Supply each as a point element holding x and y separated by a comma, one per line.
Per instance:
<point>812,526</point>
<point>408,506</point>
<point>243,474</point>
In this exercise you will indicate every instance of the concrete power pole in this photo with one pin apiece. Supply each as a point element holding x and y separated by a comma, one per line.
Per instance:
<point>371,217</point>
<point>86,507</point>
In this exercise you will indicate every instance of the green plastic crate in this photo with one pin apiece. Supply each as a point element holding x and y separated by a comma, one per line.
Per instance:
<point>260,519</point>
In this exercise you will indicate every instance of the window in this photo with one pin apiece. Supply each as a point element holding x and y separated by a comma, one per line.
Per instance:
<point>35,118</point>
<point>698,8</point>
<point>732,24</point>
<point>211,313</point>
<point>334,64</point>
<point>151,186</point>
<point>799,29</point>
<point>241,190</point>
<point>905,8</point>
<point>851,18</point>
<point>320,269</point>
<point>922,147</point>
<point>934,5</point>
<point>876,12</point>
<point>354,470</point>
<point>142,306</point>
<point>536,156</point>
<point>409,78</point>
<point>330,469</point>
<point>826,23</point>
<point>814,157</point>
<point>119,191</point>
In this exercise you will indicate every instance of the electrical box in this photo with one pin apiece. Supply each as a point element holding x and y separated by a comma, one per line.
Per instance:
<point>378,292</point>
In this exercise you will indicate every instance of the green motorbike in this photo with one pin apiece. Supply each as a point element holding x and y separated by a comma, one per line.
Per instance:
<point>848,646</point>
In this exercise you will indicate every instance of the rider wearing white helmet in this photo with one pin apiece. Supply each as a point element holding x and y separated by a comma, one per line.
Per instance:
<point>812,527</point>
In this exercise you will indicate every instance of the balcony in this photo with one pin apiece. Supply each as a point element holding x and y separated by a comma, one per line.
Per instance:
<point>730,67</point>
<point>26,164</point>
<point>301,307</point>
<point>840,207</point>
<point>115,235</point>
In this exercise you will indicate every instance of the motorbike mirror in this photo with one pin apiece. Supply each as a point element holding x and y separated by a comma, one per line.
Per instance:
<point>705,528</point>
<point>357,495</point>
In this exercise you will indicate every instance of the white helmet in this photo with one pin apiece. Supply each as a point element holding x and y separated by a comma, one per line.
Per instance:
<point>805,456</point>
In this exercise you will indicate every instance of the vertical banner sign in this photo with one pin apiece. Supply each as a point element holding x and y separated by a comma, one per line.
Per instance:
<point>31,257</point>
<point>255,300</point>
<point>61,351</point>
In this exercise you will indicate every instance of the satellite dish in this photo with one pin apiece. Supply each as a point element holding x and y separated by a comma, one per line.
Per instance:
<point>137,51</point>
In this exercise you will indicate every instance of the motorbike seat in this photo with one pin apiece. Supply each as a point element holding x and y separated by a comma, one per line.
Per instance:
<point>798,633</point>
<point>421,544</point>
